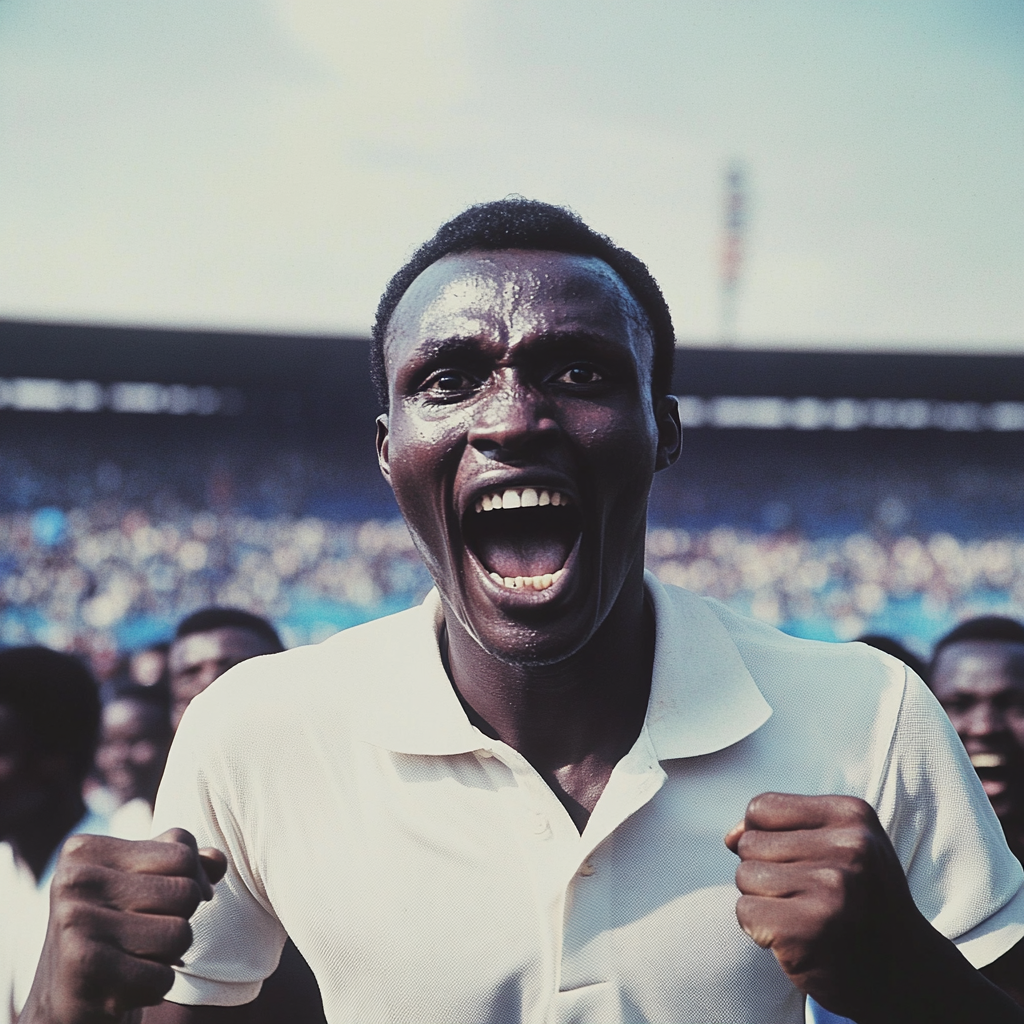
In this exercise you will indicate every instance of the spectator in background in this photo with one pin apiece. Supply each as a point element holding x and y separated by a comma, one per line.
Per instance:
<point>977,673</point>
<point>49,720</point>
<point>148,667</point>
<point>207,644</point>
<point>135,738</point>
<point>897,650</point>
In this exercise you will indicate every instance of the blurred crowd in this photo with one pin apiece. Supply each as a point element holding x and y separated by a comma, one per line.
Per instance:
<point>105,579</point>
<point>838,588</point>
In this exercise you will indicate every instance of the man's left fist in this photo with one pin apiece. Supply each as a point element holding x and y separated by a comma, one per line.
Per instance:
<point>823,889</point>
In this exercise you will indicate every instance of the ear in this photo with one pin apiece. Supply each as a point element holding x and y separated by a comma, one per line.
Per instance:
<point>670,431</point>
<point>382,446</point>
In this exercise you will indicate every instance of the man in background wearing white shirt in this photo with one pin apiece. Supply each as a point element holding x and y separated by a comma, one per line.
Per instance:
<point>49,719</point>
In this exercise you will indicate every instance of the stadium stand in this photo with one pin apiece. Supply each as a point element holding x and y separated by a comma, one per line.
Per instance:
<point>146,473</point>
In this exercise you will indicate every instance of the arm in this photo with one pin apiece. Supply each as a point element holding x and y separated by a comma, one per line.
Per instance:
<point>823,889</point>
<point>173,1013</point>
<point>1008,973</point>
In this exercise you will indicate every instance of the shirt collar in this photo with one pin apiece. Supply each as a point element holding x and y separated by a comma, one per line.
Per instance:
<point>702,696</point>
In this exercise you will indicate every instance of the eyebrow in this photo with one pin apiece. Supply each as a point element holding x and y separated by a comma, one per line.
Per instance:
<point>470,345</point>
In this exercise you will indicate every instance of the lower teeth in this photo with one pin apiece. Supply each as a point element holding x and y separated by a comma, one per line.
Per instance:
<point>527,582</point>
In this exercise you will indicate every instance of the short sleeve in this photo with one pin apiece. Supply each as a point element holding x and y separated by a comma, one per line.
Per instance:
<point>961,873</point>
<point>237,939</point>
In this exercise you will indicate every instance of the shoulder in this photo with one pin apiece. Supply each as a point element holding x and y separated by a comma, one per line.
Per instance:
<point>782,664</point>
<point>834,706</point>
<point>334,671</point>
<point>315,686</point>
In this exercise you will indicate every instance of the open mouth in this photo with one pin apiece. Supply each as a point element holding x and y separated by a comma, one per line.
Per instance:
<point>993,769</point>
<point>522,536</point>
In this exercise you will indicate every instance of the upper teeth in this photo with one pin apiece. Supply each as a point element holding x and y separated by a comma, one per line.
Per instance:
<point>986,760</point>
<point>519,497</point>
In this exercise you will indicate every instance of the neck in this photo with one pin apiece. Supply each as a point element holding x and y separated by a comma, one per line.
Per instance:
<point>35,843</point>
<point>574,720</point>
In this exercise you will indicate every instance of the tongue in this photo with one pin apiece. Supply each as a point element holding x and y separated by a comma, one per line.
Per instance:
<point>522,555</point>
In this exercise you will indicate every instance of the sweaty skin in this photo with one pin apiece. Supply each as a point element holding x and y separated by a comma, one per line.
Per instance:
<point>519,371</point>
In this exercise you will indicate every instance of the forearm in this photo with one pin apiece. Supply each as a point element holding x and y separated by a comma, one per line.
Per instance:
<point>937,986</point>
<point>175,1013</point>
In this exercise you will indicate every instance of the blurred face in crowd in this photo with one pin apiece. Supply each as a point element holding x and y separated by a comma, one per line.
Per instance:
<point>133,749</point>
<point>29,781</point>
<point>19,790</point>
<point>147,667</point>
<point>521,442</point>
<point>197,659</point>
<point>980,683</point>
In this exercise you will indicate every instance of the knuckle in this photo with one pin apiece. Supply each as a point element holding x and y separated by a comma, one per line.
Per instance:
<point>182,893</point>
<point>856,810</point>
<point>747,843</point>
<point>761,803</point>
<point>830,879</point>
<point>73,916</point>
<point>79,846</point>
<point>179,936</point>
<point>181,859</point>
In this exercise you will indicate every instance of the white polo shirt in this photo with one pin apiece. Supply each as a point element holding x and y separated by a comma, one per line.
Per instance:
<point>427,873</point>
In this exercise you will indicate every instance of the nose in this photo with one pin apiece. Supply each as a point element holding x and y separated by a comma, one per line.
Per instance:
<point>510,418</point>
<point>984,719</point>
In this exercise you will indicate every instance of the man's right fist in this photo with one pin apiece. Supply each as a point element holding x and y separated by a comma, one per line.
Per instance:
<point>119,915</point>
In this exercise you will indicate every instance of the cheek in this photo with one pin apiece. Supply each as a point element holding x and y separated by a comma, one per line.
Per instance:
<point>422,461</point>
<point>1016,724</point>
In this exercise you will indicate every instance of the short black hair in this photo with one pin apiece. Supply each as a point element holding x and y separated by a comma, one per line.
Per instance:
<point>208,619</point>
<point>56,700</point>
<point>897,650</point>
<point>985,627</point>
<point>518,223</point>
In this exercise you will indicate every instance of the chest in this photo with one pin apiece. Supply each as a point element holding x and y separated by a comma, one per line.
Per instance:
<point>461,890</point>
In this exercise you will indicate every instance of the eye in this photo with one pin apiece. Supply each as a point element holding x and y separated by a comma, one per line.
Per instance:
<point>448,382</point>
<point>580,374</point>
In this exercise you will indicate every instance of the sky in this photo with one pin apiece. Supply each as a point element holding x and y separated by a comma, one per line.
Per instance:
<point>268,164</point>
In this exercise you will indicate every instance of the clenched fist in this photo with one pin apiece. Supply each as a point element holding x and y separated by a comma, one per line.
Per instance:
<point>823,889</point>
<point>119,915</point>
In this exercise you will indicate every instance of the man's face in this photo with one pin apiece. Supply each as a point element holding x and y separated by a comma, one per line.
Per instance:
<point>196,660</point>
<point>24,792</point>
<point>980,683</point>
<point>133,749</point>
<point>521,442</point>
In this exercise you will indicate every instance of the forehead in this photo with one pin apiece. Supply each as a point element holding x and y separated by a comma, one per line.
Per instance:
<point>213,645</point>
<point>979,666</point>
<point>514,294</point>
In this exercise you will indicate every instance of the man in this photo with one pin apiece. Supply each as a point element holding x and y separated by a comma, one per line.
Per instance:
<point>978,676</point>
<point>49,718</point>
<point>508,805</point>
<point>136,735</point>
<point>207,644</point>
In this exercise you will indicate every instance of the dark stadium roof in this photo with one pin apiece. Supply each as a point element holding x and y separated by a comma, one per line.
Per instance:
<point>112,367</point>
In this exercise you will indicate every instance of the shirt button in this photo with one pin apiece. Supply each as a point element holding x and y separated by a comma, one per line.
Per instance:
<point>587,869</point>
<point>540,825</point>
